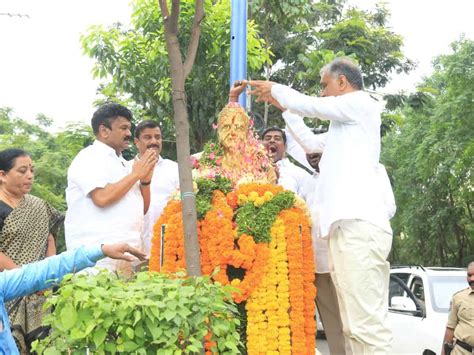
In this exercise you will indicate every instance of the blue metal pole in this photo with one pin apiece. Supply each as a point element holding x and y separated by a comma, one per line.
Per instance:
<point>238,44</point>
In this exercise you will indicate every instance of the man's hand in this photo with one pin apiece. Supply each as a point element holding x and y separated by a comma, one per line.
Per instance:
<point>263,91</point>
<point>117,251</point>
<point>236,90</point>
<point>143,167</point>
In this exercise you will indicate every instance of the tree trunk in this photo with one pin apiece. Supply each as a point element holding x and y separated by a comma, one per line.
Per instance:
<point>179,72</point>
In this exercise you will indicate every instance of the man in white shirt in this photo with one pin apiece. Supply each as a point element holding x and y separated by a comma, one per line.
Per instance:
<point>326,297</point>
<point>165,178</point>
<point>353,213</point>
<point>106,198</point>
<point>290,176</point>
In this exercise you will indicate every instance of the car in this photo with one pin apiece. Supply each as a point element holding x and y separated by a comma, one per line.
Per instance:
<point>419,299</point>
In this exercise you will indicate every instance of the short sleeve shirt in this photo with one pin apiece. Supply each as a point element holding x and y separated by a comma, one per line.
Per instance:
<point>87,224</point>
<point>461,315</point>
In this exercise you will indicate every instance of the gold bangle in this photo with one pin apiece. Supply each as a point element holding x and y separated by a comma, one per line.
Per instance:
<point>143,183</point>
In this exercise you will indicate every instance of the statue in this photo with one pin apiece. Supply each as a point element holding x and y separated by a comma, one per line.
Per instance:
<point>253,235</point>
<point>238,154</point>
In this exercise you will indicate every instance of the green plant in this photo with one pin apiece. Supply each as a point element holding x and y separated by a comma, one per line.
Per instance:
<point>257,221</point>
<point>150,314</point>
<point>206,188</point>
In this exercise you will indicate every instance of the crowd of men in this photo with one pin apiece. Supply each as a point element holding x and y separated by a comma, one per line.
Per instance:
<point>111,200</point>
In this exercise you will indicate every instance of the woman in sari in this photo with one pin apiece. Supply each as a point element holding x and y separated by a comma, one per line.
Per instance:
<point>27,228</point>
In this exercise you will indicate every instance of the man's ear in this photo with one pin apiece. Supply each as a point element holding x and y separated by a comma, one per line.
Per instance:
<point>135,140</point>
<point>103,131</point>
<point>342,82</point>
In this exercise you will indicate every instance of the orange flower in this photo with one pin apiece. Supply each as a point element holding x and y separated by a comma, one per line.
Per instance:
<point>278,275</point>
<point>302,290</point>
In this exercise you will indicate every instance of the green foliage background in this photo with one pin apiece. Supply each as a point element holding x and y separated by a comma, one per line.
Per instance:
<point>430,156</point>
<point>427,146</point>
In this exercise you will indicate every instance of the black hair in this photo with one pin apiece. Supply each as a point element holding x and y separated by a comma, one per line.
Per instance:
<point>145,124</point>
<point>274,128</point>
<point>347,67</point>
<point>8,157</point>
<point>107,113</point>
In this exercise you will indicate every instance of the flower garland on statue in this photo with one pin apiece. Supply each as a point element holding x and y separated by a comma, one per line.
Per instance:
<point>264,231</point>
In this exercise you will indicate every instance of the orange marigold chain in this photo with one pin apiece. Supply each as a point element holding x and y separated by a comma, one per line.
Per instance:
<point>302,290</point>
<point>279,277</point>
<point>309,285</point>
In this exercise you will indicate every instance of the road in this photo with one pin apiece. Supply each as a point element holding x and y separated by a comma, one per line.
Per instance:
<point>322,346</point>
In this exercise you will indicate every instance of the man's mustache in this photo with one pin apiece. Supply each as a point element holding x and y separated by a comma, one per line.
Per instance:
<point>471,283</point>
<point>157,146</point>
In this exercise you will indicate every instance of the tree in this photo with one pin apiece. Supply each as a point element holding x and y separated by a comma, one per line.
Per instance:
<point>430,157</point>
<point>304,38</point>
<point>179,72</point>
<point>133,63</point>
<point>51,153</point>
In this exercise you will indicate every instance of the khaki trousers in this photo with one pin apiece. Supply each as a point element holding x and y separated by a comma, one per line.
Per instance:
<point>328,308</point>
<point>358,262</point>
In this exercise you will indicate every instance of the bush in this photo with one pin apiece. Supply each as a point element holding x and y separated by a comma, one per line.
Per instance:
<point>150,314</point>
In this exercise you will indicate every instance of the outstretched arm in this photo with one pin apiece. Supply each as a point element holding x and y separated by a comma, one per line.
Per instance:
<point>40,275</point>
<point>326,108</point>
<point>310,142</point>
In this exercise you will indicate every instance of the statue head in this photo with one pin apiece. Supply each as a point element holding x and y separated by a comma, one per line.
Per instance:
<point>232,126</point>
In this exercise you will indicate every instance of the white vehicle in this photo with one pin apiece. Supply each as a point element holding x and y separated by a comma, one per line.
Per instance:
<point>419,299</point>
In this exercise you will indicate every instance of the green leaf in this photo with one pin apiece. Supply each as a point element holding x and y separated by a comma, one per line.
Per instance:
<point>68,316</point>
<point>130,333</point>
<point>99,336</point>
<point>52,351</point>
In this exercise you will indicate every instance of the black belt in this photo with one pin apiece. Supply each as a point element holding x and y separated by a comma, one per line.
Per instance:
<point>464,345</point>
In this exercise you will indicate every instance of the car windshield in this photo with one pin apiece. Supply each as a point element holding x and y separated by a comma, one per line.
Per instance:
<point>442,290</point>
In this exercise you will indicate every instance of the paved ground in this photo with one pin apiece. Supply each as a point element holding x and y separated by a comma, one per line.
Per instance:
<point>322,346</point>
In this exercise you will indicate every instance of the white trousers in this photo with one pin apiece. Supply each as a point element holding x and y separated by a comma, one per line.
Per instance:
<point>358,253</point>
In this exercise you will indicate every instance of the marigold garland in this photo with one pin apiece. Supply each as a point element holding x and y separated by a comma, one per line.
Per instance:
<point>278,282</point>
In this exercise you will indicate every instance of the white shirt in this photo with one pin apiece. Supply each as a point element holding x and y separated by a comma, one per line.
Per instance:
<point>290,176</point>
<point>349,184</point>
<point>87,224</point>
<point>320,245</point>
<point>295,150</point>
<point>164,182</point>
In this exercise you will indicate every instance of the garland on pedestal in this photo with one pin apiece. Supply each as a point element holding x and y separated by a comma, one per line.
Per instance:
<point>263,231</point>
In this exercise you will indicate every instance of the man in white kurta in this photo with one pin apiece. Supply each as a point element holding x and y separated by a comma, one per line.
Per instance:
<point>165,180</point>
<point>326,297</point>
<point>353,214</point>
<point>106,197</point>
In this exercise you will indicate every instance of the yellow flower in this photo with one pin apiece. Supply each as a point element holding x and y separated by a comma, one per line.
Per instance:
<point>241,199</point>
<point>235,282</point>
<point>253,196</point>
<point>268,195</point>
<point>259,201</point>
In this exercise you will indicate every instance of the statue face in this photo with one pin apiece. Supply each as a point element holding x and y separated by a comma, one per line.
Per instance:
<point>232,131</point>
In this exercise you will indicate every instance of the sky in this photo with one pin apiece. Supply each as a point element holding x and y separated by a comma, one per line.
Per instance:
<point>43,68</point>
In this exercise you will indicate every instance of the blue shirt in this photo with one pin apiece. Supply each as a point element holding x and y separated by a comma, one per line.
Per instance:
<point>36,277</point>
